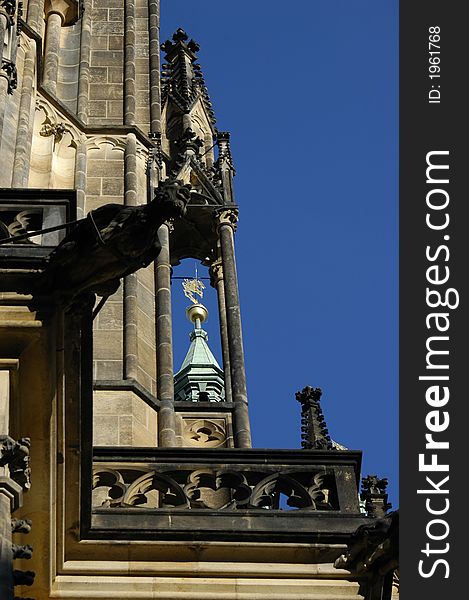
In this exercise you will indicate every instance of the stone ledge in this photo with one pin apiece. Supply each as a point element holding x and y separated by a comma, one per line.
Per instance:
<point>12,491</point>
<point>195,588</point>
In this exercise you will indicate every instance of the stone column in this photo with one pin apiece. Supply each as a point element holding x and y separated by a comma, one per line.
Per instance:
<point>85,51</point>
<point>225,165</point>
<point>52,48</point>
<point>36,14</point>
<point>130,282</point>
<point>80,177</point>
<point>4,77</point>
<point>3,97</point>
<point>216,280</point>
<point>58,13</point>
<point>24,131</point>
<point>3,25</point>
<point>164,343</point>
<point>227,220</point>
<point>154,56</point>
<point>129,64</point>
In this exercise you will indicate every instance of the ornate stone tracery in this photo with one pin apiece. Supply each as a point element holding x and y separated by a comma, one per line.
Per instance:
<point>227,489</point>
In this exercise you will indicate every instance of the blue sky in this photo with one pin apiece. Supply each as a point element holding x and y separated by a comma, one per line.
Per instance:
<point>310,97</point>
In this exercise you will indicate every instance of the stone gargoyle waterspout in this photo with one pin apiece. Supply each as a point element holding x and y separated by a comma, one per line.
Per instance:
<point>112,242</point>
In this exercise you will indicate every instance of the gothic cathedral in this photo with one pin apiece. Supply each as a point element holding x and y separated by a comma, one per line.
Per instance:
<point>122,474</point>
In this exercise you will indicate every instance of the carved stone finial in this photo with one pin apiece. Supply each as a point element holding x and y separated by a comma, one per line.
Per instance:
<point>180,35</point>
<point>182,79</point>
<point>227,216</point>
<point>156,153</point>
<point>225,160</point>
<point>374,495</point>
<point>315,435</point>
<point>180,38</point>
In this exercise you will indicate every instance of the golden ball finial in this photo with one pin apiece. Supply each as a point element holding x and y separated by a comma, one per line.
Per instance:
<point>197,312</point>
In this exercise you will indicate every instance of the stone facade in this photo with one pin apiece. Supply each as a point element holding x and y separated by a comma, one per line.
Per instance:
<point>182,506</point>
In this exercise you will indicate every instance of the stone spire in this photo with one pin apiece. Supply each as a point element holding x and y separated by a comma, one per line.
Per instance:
<point>189,132</point>
<point>200,378</point>
<point>314,432</point>
<point>182,78</point>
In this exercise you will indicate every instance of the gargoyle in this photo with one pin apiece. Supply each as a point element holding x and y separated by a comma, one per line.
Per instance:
<point>111,242</point>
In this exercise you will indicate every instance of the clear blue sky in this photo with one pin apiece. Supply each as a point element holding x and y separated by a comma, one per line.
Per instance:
<point>308,90</point>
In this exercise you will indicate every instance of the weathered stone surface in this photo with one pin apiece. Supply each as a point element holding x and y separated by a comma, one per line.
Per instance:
<point>110,316</point>
<point>98,74</point>
<point>106,430</point>
<point>106,370</point>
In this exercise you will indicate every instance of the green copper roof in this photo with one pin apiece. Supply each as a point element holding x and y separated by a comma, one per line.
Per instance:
<point>200,377</point>
<point>199,353</point>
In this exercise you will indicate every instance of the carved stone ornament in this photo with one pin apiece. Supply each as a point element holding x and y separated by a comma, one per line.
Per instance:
<point>225,160</point>
<point>204,433</point>
<point>112,242</point>
<point>373,548</point>
<point>15,455</point>
<point>374,495</point>
<point>15,224</point>
<point>315,434</point>
<point>8,70</point>
<point>22,551</point>
<point>155,153</point>
<point>21,525</point>
<point>211,488</point>
<point>56,130</point>
<point>227,216</point>
<point>182,79</point>
<point>216,272</point>
<point>8,8</point>
<point>189,141</point>
<point>372,485</point>
<point>23,577</point>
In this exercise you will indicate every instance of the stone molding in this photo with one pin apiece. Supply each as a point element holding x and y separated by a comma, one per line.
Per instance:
<point>67,9</point>
<point>12,491</point>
